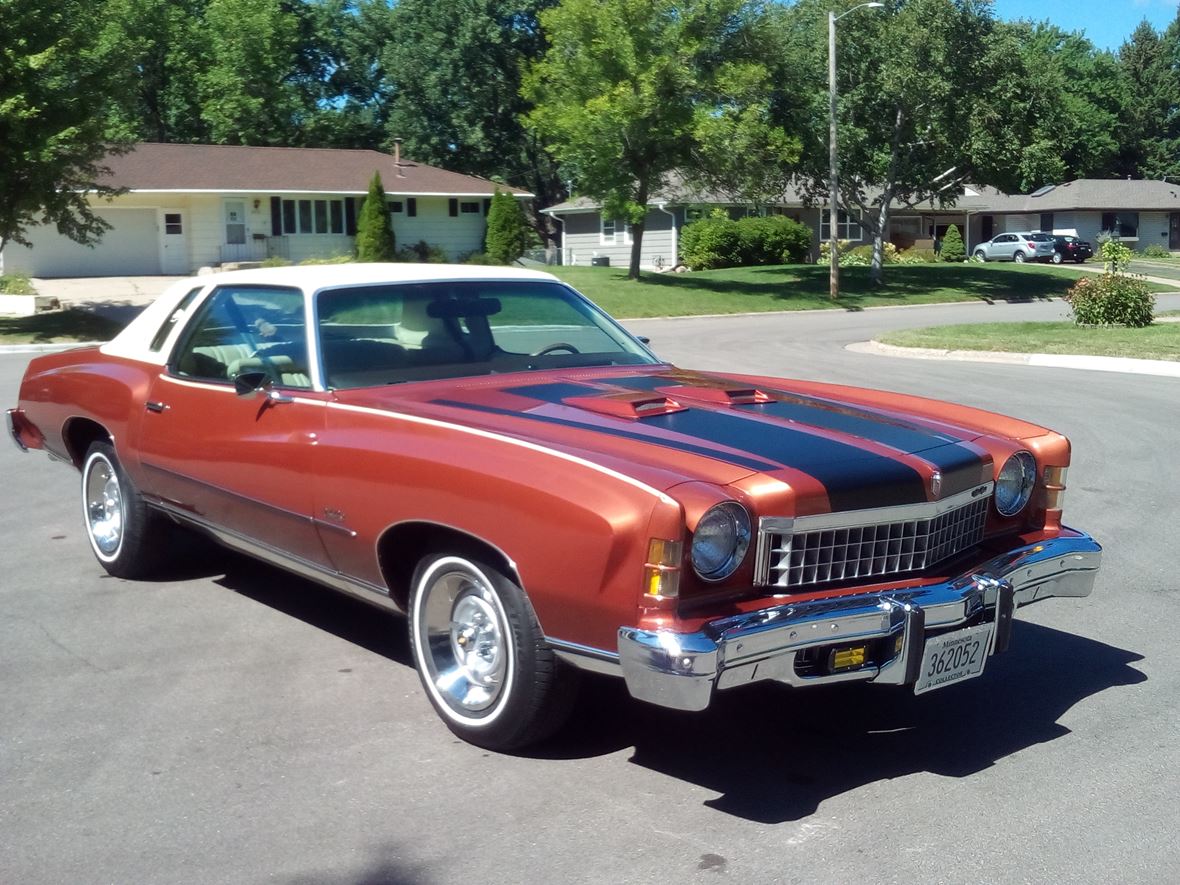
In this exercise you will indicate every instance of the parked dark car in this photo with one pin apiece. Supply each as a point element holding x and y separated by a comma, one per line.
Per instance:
<point>1069,248</point>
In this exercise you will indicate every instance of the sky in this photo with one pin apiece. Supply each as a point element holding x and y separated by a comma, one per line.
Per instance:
<point>1107,23</point>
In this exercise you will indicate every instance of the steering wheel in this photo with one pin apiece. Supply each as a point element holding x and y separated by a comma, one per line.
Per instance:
<point>554,348</point>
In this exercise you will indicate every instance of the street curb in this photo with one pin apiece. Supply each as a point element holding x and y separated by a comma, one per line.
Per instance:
<point>1125,365</point>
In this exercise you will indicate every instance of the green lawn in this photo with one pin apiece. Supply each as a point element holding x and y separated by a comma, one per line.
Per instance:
<point>1160,341</point>
<point>805,287</point>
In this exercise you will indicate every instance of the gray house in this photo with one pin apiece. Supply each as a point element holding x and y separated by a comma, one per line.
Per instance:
<point>1135,211</point>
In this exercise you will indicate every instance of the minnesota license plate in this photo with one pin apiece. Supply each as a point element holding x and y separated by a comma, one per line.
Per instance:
<point>953,657</point>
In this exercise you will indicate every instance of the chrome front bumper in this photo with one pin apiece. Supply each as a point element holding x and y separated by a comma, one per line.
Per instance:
<point>681,670</point>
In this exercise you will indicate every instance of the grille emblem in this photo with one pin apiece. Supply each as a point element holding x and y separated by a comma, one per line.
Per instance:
<point>935,483</point>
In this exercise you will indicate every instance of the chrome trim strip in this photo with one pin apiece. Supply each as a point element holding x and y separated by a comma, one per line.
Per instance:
<point>848,519</point>
<point>10,420</point>
<point>230,493</point>
<point>357,589</point>
<point>584,657</point>
<point>682,670</point>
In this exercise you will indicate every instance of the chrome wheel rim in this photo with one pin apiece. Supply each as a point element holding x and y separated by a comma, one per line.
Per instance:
<point>462,640</point>
<point>104,507</point>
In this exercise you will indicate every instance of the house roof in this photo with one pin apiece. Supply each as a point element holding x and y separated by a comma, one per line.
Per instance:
<point>1099,194</point>
<point>220,168</point>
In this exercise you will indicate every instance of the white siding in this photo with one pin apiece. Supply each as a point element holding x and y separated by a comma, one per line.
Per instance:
<point>456,235</point>
<point>583,241</point>
<point>132,246</point>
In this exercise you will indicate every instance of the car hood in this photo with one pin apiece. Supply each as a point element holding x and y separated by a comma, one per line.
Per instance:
<point>668,426</point>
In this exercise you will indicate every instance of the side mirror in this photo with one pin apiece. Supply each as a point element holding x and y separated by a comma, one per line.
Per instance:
<point>643,339</point>
<point>254,383</point>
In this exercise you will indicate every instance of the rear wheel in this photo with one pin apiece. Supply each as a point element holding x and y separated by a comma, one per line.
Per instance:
<point>1057,258</point>
<point>127,537</point>
<point>481,655</point>
<point>1018,258</point>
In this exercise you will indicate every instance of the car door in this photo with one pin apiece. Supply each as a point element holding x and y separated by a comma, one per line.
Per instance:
<point>1005,247</point>
<point>239,463</point>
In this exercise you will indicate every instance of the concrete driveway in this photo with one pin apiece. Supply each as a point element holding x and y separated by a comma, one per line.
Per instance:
<point>88,291</point>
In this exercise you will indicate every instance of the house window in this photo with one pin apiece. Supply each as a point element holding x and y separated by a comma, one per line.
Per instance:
<point>313,216</point>
<point>1046,222</point>
<point>1121,224</point>
<point>847,228</point>
<point>471,208</point>
<point>615,232</point>
<point>172,223</point>
<point>396,206</point>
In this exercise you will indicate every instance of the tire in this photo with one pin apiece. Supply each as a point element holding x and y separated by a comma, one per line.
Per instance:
<point>127,537</point>
<point>980,256</point>
<point>481,655</point>
<point>1057,259</point>
<point>1018,258</point>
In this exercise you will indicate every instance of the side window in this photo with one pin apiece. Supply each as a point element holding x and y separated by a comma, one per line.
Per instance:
<point>244,329</point>
<point>173,318</point>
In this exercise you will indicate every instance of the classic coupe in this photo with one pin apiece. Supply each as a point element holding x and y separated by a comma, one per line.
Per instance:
<point>487,453</point>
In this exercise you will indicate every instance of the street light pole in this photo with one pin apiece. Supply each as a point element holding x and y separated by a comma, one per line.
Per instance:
<point>833,165</point>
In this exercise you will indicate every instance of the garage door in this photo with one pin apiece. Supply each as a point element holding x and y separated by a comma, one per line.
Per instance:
<point>131,247</point>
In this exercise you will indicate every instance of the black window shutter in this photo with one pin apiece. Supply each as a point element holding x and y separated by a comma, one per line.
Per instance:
<point>350,216</point>
<point>276,217</point>
<point>411,206</point>
<point>453,205</point>
<point>487,205</point>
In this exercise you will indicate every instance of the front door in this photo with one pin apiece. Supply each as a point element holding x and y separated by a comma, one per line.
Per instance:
<point>173,242</point>
<point>239,463</point>
<point>1174,231</point>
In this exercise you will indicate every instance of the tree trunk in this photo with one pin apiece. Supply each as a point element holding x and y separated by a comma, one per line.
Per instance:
<point>877,270</point>
<point>637,229</point>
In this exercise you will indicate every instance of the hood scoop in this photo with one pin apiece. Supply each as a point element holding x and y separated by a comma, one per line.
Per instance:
<point>632,404</point>
<point>721,396</point>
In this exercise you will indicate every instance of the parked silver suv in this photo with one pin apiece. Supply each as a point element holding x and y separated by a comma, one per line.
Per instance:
<point>1016,246</point>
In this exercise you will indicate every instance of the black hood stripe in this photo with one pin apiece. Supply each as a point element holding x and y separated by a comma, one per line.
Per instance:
<point>855,479</point>
<point>651,439</point>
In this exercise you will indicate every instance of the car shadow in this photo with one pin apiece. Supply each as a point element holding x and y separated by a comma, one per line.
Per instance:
<point>772,753</point>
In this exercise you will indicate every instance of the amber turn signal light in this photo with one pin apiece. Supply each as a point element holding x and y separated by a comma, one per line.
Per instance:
<point>661,572</point>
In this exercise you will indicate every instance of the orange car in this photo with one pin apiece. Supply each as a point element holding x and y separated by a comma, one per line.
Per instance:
<point>488,453</point>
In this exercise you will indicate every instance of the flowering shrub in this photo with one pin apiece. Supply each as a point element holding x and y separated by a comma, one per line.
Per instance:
<point>858,256</point>
<point>917,255</point>
<point>1116,256</point>
<point>1112,299</point>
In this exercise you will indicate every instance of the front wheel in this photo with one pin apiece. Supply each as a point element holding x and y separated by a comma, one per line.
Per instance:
<point>481,655</point>
<point>980,256</point>
<point>1018,258</point>
<point>127,538</point>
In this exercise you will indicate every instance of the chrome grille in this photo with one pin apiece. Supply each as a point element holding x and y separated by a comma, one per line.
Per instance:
<point>867,544</point>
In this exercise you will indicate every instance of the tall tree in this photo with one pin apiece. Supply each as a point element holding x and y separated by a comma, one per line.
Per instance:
<point>1151,91</point>
<point>455,75</point>
<point>618,91</point>
<point>374,236</point>
<point>907,75</point>
<point>61,68</point>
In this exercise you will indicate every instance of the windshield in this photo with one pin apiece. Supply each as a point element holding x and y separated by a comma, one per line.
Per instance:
<point>386,334</point>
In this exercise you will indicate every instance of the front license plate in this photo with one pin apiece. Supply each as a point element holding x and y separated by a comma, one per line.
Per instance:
<point>954,657</point>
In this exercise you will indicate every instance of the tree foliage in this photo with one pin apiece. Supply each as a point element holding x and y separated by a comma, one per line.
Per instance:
<point>621,89</point>
<point>61,70</point>
<point>374,235</point>
<point>508,234</point>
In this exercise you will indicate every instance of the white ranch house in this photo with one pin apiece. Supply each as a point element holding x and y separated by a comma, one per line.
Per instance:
<point>189,206</point>
<point>1136,211</point>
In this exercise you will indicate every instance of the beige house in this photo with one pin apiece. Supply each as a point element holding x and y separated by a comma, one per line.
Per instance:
<point>188,206</point>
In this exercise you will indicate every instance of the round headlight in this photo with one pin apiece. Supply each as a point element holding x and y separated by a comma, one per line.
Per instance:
<point>720,541</point>
<point>1015,484</point>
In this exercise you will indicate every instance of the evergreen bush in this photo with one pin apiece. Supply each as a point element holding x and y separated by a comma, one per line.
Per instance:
<point>952,246</point>
<point>508,233</point>
<point>374,235</point>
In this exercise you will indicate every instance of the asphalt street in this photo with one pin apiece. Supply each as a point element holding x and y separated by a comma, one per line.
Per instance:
<point>234,724</point>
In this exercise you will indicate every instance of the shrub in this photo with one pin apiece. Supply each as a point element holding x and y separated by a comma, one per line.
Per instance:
<point>328,259</point>
<point>1155,250</point>
<point>1112,299</point>
<point>952,245</point>
<point>825,249</point>
<point>374,236</point>
<point>772,239</point>
<point>917,255</point>
<point>1116,256</point>
<point>421,252</point>
<point>711,243</point>
<point>508,233</point>
<point>859,256</point>
<point>16,284</point>
<point>274,261</point>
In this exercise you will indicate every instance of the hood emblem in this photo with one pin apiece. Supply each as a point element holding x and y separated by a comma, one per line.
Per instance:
<point>935,483</point>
